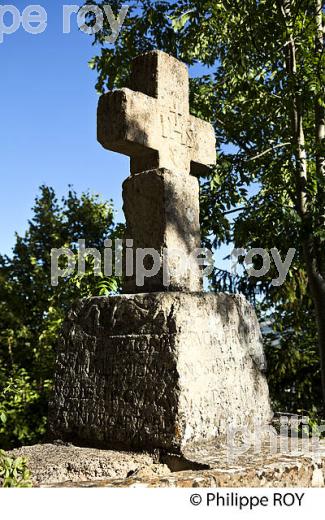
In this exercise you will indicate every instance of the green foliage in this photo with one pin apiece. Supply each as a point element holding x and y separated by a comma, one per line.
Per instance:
<point>14,472</point>
<point>293,361</point>
<point>32,309</point>
<point>22,407</point>
<point>247,94</point>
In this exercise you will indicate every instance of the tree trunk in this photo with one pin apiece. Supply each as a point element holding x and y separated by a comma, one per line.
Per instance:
<point>320,110</point>
<point>296,117</point>
<point>311,252</point>
<point>315,277</point>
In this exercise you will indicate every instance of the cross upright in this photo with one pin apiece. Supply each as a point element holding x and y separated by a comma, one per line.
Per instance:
<point>150,121</point>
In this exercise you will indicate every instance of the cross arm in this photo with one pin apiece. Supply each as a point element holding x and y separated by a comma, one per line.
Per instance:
<point>126,122</point>
<point>202,144</point>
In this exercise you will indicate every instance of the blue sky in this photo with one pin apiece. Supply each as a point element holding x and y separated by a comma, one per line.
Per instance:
<point>48,122</point>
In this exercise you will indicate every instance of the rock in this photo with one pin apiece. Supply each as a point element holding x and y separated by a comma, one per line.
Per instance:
<point>58,463</point>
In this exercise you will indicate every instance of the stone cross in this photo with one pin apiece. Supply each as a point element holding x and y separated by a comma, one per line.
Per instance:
<point>159,370</point>
<point>152,124</point>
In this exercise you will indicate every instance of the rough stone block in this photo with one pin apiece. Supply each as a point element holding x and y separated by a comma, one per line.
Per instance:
<point>158,370</point>
<point>162,213</point>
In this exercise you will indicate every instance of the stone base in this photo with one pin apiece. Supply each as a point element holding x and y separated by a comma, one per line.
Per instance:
<point>158,371</point>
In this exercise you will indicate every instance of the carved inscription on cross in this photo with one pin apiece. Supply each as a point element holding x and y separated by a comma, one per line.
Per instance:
<point>150,121</point>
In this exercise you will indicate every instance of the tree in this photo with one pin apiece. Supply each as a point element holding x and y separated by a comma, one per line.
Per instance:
<point>32,310</point>
<point>264,92</point>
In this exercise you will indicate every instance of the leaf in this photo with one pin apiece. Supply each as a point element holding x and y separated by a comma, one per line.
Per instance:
<point>179,22</point>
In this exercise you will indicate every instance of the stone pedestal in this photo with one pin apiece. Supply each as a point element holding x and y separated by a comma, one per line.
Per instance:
<point>158,370</point>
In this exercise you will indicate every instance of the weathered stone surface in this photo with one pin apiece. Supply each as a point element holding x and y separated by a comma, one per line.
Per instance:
<point>162,213</point>
<point>70,466</point>
<point>54,463</point>
<point>158,370</point>
<point>151,123</point>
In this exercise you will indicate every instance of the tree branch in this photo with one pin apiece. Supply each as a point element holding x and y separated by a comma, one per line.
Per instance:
<point>281,145</point>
